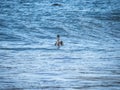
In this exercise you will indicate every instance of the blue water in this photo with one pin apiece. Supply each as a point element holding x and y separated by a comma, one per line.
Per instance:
<point>89,59</point>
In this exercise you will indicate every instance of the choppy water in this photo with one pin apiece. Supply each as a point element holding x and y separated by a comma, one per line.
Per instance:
<point>89,59</point>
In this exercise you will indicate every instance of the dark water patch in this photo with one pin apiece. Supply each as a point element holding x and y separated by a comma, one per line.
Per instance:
<point>3,23</point>
<point>93,49</point>
<point>53,87</point>
<point>69,19</point>
<point>44,37</point>
<point>5,67</point>
<point>4,56</point>
<point>6,5</point>
<point>56,30</point>
<point>37,88</point>
<point>111,18</point>
<point>97,78</point>
<point>9,82</point>
<point>94,36</point>
<point>47,74</point>
<point>98,25</point>
<point>101,2</point>
<point>107,16</point>
<point>114,33</point>
<point>9,37</point>
<point>23,49</point>
<point>56,4</point>
<point>7,23</point>
<point>27,5</point>
<point>26,1</point>
<point>13,88</point>
<point>35,30</point>
<point>20,27</point>
<point>116,72</point>
<point>117,82</point>
<point>114,15</point>
<point>86,27</point>
<point>67,58</point>
<point>8,86</point>
<point>115,12</point>
<point>92,86</point>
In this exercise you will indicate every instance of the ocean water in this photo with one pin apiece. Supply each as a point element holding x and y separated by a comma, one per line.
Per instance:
<point>89,59</point>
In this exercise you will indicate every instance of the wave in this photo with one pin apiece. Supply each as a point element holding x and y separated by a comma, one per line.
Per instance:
<point>28,24</point>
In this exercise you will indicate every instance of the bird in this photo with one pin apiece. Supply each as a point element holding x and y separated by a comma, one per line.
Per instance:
<point>58,42</point>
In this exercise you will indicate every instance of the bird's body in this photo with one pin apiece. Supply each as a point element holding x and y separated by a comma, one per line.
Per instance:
<point>58,42</point>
